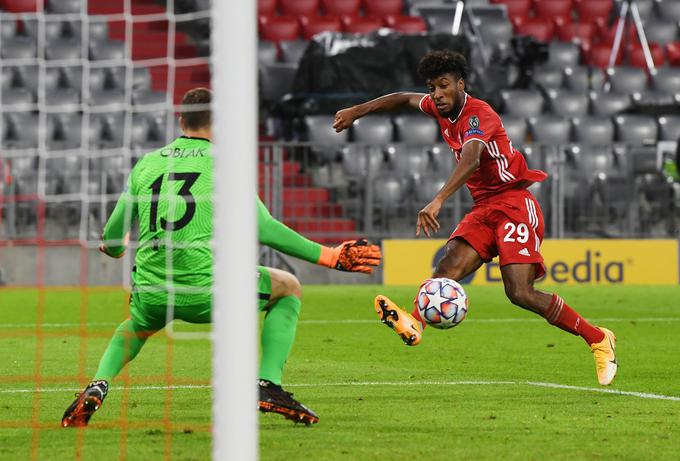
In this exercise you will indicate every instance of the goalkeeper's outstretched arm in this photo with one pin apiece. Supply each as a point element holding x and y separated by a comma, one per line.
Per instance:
<point>116,232</point>
<point>353,255</point>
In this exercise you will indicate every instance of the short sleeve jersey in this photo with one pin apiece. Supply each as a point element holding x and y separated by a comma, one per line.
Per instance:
<point>501,166</point>
<point>173,189</point>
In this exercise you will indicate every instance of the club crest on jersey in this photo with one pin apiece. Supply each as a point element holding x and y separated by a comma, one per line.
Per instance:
<point>473,122</point>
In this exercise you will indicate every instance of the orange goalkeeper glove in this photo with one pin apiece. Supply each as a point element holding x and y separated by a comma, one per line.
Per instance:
<point>351,256</point>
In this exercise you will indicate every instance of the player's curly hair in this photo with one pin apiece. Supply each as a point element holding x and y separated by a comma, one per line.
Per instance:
<point>437,63</point>
<point>200,117</point>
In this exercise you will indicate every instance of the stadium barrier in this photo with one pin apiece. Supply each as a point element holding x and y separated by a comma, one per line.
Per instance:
<point>571,262</point>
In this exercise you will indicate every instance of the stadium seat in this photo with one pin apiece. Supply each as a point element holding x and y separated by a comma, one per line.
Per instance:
<point>557,11</point>
<point>563,54</point>
<point>603,104</point>
<point>373,129</point>
<point>577,78</point>
<point>599,56</point>
<point>319,129</point>
<point>380,8</point>
<point>666,79</point>
<point>276,80</point>
<point>293,50</point>
<point>409,161</point>
<point>18,48</point>
<point>415,129</point>
<point>548,76</point>
<point>515,128</point>
<point>550,129</point>
<point>669,9</point>
<point>67,98</point>
<point>359,25</point>
<point>359,160</point>
<point>441,158</point>
<point>581,34</point>
<point>141,78</point>
<point>661,31</point>
<point>107,50</point>
<point>22,130</point>
<point>17,98</point>
<point>388,193</point>
<point>673,53</point>
<point>567,103</point>
<point>669,128</point>
<point>63,49</point>
<point>275,28</point>
<point>19,6</point>
<point>341,7</point>
<point>637,56</point>
<point>542,29</point>
<point>627,80</point>
<point>593,130</point>
<point>8,28</point>
<point>524,103</point>
<point>439,18</point>
<point>493,31</point>
<point>518,10</point>
<point>266,7</point>
<point>267,53</point>
<point>148,97</point>
<point>99,31</point>
<point>65,129</point>
<point>636,129</point>
<point>315,25</point>
<point>408,24</point>
<point>645,7</point>
<point>428,185</point>
<point>299,7</point>
<point>596,11</point>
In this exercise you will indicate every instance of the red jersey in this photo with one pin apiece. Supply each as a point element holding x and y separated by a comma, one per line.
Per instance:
<point>501,167</point>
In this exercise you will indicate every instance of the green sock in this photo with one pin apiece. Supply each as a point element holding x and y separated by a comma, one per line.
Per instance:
<point>278,334</point>
<point>125,344</point>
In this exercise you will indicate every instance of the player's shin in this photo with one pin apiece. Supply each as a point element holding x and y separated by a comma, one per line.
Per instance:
<point>564,317</point>
<point>278,334</point>
<point>127,341</point>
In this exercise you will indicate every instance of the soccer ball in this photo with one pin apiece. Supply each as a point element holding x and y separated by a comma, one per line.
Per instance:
<point>442,303</point>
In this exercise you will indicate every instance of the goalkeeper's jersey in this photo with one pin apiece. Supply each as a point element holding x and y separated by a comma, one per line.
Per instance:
<point>169,191</point>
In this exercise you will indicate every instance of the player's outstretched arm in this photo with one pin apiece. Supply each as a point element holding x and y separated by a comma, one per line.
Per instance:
<point>352,256</point>
<point>345,117</point>
<point>469,162</point>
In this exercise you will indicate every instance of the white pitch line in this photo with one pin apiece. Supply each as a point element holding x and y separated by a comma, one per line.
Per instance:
<point>361,321</point>
<point>642,395</point>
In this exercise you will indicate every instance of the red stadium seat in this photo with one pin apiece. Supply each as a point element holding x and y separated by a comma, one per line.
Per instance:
<point>599,56</point>
<point>313,25</point>
<point>383,7</point>
<point>359,25</point>
<point>266,7</point>
<point>407,24</point>
<point>673,52</point>
<point>300,7</point>
<point>559,11</point>
<point>19,6</point>
<point>607,34</point>
<point>341,7</point>
<point>541,29</point>
<point>637,56</point>
<point>596,11</point>
<point>275,28</point>
<point>584,32</point>
<point>518,10</point>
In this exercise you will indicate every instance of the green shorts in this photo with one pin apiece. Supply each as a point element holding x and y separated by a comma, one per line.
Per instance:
<point>154,317</point>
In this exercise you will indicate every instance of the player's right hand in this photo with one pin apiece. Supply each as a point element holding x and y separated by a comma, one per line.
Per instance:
<point>107,251</point>
<point>343,119</point>
<point>427,218</point>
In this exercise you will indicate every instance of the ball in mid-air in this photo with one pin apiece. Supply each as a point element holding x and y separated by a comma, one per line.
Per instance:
<point>442,303</point>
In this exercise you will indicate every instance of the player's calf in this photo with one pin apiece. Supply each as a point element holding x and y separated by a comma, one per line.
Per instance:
<point>78,414</point>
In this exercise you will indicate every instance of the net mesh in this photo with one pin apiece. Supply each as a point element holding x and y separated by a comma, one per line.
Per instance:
<point>88,87</point>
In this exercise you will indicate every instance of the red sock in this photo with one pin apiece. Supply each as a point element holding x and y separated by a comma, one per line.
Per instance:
<point>567,319</point>
<point>417,316</point>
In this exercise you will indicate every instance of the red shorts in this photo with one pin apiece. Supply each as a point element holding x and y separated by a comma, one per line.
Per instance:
<point>509,225</point>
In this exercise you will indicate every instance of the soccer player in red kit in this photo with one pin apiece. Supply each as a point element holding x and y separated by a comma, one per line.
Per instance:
<point>506,219</point>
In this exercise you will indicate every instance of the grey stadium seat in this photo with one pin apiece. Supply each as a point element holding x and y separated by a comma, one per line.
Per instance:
<point>17,98</point>
<point>148,97</point>
<point>408,160</point>
<point>141,78</point>
<point>18,48</point>
<point>669,128</point>
<point>359,160</point>
<point>320,131</point>
<point>416,129</point>
<point>373,129</point>
<point>441,158</point>
<point>645,7</point>
<point>22,130</point>
<point>666,79</point>
<point>577,78</point>
<point>608,103</point>
<point>267,53</point>
<point>439,18</point>
<point>388,193</point>
<point>563,54</point>
<point>428,186</point>
<point>661,31</point>
<point>8,28</point>
<point>636,129</point>
<point>99,30</point>
<point>64,131</point>
<point>525,103</point>
<point>495,31</point>
<point>107,50</point>
<point>550,129</point>
<point>548,76</point>
<point>593,130</point>
<point>276,80</point>
<point>68,98</point>
<point>669,9</point>
<point>627,79</point>
<point>293,50</point>
<point>516,129</point>
<point>568,103</point>
<point>64,6</point>
<point>112,97</point>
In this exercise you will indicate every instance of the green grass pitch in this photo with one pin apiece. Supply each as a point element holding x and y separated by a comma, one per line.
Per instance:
<point>502,385</point>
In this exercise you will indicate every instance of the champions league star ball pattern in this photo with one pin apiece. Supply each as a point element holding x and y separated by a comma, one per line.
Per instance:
<point>442,303</point>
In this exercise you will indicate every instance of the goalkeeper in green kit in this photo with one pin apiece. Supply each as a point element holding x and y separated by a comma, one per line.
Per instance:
<point>169,193</point>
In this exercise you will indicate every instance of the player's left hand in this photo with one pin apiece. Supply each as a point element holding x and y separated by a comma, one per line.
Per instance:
<point>356,256</point>
<point>427,218</point>
<point>108,252</point>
